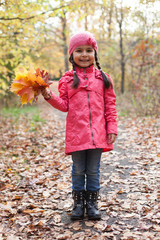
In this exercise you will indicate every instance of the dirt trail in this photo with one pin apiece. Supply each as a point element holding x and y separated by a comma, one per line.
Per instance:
<point>35,181</point>
<point>129,185</point>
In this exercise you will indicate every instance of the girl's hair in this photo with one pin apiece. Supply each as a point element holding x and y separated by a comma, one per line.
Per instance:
<point>75,79</point>
<point>107,81</point>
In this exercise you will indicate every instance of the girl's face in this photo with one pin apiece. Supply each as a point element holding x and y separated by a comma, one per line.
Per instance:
<point>84,56</point>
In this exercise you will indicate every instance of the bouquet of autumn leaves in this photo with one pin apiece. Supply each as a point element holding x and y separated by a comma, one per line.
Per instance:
<point>28,84</point>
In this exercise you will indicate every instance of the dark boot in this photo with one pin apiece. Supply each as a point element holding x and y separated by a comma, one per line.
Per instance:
<point>91,205</point>
<point>78,207</point>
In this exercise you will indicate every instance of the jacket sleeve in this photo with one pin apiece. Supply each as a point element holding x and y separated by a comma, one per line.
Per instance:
<point>110,109</point>
<point>60,102</point>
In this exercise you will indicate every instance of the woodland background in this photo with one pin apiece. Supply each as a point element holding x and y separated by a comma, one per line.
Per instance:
<point>35,174</point>
<point>36,33</point>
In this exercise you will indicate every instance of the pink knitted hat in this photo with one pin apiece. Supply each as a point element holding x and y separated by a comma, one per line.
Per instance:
<point>82,38</point>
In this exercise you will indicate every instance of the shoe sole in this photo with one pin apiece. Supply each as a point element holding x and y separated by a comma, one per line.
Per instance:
<point>77,218</point>
<point>94,218</point>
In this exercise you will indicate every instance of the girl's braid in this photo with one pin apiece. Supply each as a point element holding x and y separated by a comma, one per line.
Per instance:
<point>76,79</point>
<point>106,80</point>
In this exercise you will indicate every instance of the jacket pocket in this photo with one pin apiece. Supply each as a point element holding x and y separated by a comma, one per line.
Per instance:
<point>72,92</point>
<point>98,86</point>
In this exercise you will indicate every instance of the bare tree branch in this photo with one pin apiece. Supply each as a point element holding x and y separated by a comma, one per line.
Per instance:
<point>27,18</point>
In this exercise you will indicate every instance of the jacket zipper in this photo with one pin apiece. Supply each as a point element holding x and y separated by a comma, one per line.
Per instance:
<point>90,117</point>
<point>89,104</point>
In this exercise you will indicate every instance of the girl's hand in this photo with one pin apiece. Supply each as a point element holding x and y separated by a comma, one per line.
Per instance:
<point>111,138</point>
<point>46,93</point>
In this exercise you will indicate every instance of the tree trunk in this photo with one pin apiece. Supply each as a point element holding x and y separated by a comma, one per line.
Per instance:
<point>122,61</point>
<point>110,19</point>
<point>86,18</point>
<point>109,23</point>
<point>64,37</point>
<point>122,58</point>
<point>86,23</point>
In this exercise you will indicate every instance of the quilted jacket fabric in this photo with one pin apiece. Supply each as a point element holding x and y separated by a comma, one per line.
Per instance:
<point>91,110</point>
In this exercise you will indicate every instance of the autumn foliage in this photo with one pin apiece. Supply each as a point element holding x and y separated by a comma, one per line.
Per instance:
<point>28,84</point>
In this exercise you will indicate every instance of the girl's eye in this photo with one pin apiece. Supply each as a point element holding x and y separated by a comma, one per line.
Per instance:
<point>87,50</point>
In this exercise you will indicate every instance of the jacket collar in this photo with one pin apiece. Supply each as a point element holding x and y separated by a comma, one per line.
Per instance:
<point>84,70</point>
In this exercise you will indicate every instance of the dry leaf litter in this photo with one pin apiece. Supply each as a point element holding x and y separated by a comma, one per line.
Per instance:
<point>35,182</point>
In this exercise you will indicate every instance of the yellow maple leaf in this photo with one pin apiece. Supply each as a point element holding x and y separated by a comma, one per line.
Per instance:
<point>24,99</point>
<point>16,87</point>
<point>22,73</point>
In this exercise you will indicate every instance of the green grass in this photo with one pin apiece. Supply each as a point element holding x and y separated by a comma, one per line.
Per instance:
<point>37,118</point>
<point>17,111</point>
<point>124,113</point>
<point>31,112</point>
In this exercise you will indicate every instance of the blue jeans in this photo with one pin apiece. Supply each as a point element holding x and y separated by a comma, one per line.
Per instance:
<point>86,170</point>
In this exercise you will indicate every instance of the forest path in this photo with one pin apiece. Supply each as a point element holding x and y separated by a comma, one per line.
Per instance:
<point>129,182</point>
<point>35,181</point>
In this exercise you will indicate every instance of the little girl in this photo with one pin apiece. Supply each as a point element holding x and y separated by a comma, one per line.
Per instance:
<point>87,94</point>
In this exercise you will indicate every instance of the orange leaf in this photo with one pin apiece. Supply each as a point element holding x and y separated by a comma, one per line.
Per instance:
<point>28,84</point>
<point>16,87</point>
<point>133,173</point>
<point>27,90</point>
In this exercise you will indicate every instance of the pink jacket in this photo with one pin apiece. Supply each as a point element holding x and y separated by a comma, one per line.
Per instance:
<point>91,110</point>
